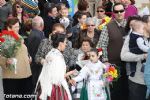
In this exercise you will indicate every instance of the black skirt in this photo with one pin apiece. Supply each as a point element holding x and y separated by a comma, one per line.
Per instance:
<point>18,88</point>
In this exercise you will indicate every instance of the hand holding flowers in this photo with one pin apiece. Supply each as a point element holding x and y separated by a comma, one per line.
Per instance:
<point>9,44</point>
<point>111,73</point>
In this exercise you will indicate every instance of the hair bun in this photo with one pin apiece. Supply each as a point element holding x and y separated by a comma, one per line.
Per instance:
<point>54,37</point>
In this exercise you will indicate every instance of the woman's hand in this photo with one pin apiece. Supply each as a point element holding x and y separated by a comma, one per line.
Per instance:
<point>30,59</point>
<point>106,63</point>
<point>72,82</point>
<point>102,83</point>
<point>70,73</point>
<point>9,61</point>
<point>42,61</point>
<point>145,55</point>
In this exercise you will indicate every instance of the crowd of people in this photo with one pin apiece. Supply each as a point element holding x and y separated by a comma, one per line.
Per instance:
<point>58,54</point>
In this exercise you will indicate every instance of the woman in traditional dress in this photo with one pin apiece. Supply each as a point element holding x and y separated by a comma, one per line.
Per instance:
<point>92,73</point>
<point>52,83</point>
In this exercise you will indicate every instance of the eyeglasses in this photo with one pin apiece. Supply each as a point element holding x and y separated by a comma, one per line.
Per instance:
<point>119,11</point>
<point>100,10</point>
<point>18,7</point>
<point>90,25</point>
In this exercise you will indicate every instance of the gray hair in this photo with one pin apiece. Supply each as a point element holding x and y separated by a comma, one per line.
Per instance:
<point>91,19</point>
<point>37,21</point>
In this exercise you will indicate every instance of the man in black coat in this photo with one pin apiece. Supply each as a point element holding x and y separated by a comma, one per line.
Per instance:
<point>42,2</point>
<point>50,19</point>
<point>34,40</point>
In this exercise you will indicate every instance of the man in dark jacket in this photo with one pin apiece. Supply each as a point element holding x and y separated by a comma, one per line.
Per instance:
<point>42,2</point>
<point>111,41</point>
<point>50,19</point>
<point>34,40</point>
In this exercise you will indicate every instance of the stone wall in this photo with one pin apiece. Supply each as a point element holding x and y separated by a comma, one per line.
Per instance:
<point>93,5</point>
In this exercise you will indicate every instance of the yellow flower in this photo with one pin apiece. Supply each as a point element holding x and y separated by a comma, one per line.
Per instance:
<point>106,74</point>
<point>111,73</point>
<point>105,21</point>
<point>115,75</point>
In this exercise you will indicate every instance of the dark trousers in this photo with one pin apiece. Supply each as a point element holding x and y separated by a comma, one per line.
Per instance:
<point>119,88</point>
<point>18,87</point>
<point>36,70</point>
<point>136,91</point>
<point>148,98</point>
<point>133,67</point>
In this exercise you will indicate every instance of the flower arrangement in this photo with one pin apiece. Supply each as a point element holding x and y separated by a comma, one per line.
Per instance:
<point>83,26</point>
<point>65,21</point>
<point>9,44</point>
<point>111,73</point>
<point>100,51</point>
<point>103,23</point>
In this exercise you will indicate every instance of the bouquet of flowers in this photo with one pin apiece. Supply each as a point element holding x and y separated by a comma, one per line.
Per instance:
<point>111,73</point>
<point>100,51</point>
<point>9,44</point>
<point>83,26</point>
<point>104,22</point>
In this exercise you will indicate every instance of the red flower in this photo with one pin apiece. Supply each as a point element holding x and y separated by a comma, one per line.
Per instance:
<point>99,49</point>
<point>5,32</point>
<point>2,39</point>
<point>98,95</point>
<point>103,21</point>
<point>112,68</point>
<point>11,33</point>
<point>1,34</point>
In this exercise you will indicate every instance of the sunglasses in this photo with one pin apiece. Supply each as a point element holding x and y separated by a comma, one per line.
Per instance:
<point>18,7</point>
<point>90,25</point>
<point>119,11</point>
<point>100,11</point>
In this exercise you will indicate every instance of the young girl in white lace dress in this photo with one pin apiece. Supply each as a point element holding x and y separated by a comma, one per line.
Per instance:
<point>92,72</point>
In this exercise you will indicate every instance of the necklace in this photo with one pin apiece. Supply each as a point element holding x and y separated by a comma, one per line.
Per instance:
<point>90,35</point>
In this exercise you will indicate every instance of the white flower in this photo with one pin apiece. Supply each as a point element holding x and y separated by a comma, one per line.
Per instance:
<point>65,21</point>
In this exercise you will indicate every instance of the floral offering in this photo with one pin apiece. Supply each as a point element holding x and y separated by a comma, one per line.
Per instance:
<point>104,22</point>
<point>9,44</point>
<point>83,26</point>
<point>111,73</point>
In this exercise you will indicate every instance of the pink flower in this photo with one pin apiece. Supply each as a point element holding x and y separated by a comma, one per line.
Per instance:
<point>110,79</point>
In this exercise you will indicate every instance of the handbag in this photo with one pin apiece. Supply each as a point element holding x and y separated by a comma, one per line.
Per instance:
<point>84,93</point>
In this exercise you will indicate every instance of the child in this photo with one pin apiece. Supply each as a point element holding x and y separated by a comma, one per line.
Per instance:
<point>138,43</point>
<point>92,73</point>
<point>80,57</point>
<point>64,17</point>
